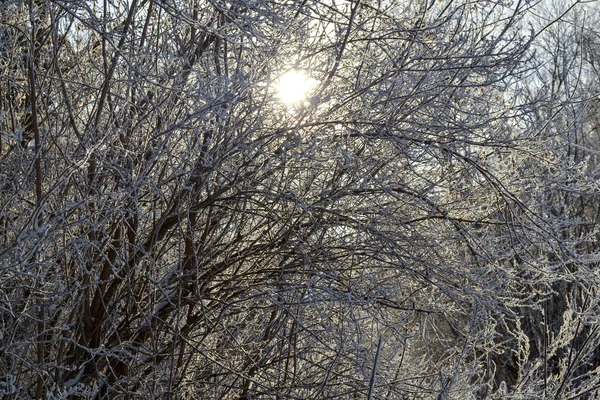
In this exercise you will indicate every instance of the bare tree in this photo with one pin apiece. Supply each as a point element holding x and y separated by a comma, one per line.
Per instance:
<point>172,229</point>
<point>553,337</point>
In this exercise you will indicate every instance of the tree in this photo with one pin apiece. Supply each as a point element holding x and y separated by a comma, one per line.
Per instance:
<point>557,182</point>
<point>173,230</point>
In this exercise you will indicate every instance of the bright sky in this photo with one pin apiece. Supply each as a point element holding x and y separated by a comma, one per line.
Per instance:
<point>294,86</point>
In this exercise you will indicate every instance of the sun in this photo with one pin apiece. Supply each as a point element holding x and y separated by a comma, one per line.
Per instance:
<point>294,86</point>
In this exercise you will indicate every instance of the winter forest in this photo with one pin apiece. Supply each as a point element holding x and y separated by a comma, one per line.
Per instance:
<point>300,199</point>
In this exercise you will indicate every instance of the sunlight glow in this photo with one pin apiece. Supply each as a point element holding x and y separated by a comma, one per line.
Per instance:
<point>294,86</point>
